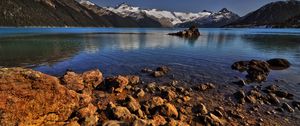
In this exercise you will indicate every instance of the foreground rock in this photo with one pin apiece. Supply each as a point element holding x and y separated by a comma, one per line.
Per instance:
<point>32,98</point>
<point>192,32</point>
<point>115,84</point>
<point>82,83</point>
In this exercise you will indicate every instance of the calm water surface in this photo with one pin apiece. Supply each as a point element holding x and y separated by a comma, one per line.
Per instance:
<point>126,51</point>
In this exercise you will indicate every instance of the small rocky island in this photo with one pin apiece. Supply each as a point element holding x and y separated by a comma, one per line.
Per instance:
<point>192,32</point>
<point>29,97</point>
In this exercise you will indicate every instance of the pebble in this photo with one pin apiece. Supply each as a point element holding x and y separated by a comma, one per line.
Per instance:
<point>151,86</point>
<point>158,74</point>
<point>128,87</point>
<point>186,98</point>
<point>287,107</point>
<point>132,104</point>
<point>202,109</point>
<point>180,89</point>
<point>147,70</point>
<point>296,104</point>
<point>170,110</point>
<point>279,109</point>
<point>240,94</point>
<point>218,113</point>
<point>140,93</point>
<point>174,83</point>
<point>273,99</point>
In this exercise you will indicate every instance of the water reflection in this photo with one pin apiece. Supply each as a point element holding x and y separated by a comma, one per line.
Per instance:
<point>213,51</point>
<point>277,43</point>
<point>36,50</point>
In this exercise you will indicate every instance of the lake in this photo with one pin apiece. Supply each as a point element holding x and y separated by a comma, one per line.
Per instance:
<point>128,50</point>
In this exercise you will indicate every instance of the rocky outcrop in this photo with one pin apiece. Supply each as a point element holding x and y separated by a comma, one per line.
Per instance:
<point>192,32</point>
<point>115,84</point>
<point>32,98</point>
<point>257,70</point>
<point>85,82</point>
<point>279,64</point>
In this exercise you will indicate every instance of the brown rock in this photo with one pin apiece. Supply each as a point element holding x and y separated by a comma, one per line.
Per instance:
<point>90,121</point>
<point>279,64</point>
<point>241,66</point>
<point>141,114</point>
<point>192,32</point>
<point>202,109</point>
<point>186,98</point>
<point>92,78</point>
<point>33,98</point>
<point>170,95</point>
<point>140,93</point>
<point>116,84</point>
<point>140,122</point>
<point>163,69</point>
<point>284,94</point>
<point>159,120</point>
<point>73,81</point>
<point>132,104</point>
<point>255,93</point>
<point>121,113</point>
<point>272,88</point>
<point>216,119</point>
<point>73,123</point>
<point>115,123</point>
<point>156,101</point>
<point>273,99</point>
<point>158,74</point>
<point>204,87</point>
<point>151,86</point>
<point>240,95</point>
<point>85,100</point>
<point>173,122</point>
<point>170,110</point>
<point>257,70</point>
<point>133,80</point>
<point>87,111</point>
<point>218,113</point>
<point>251,99</point>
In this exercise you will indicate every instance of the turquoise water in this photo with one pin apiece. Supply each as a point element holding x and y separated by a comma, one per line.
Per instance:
<point>126,51</point>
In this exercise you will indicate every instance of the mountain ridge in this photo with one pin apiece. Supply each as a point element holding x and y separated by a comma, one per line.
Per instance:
<point>273,14</point>
<point>167,18</point>
<point>47,13</point>
<point>83,13</point>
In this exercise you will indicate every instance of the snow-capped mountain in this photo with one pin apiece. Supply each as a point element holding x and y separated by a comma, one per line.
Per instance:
<point>218,19</point>
<point>86,2</point>
<point>120,21</point>
<point>83,13</point>
<point>170,19</point>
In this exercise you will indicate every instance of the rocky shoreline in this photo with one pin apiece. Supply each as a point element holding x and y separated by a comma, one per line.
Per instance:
<point>29,97</point>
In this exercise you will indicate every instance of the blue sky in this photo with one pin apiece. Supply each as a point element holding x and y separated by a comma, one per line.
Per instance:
<point>240,7</point>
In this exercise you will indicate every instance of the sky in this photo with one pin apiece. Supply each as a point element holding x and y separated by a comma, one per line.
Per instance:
<point>240,7</point>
